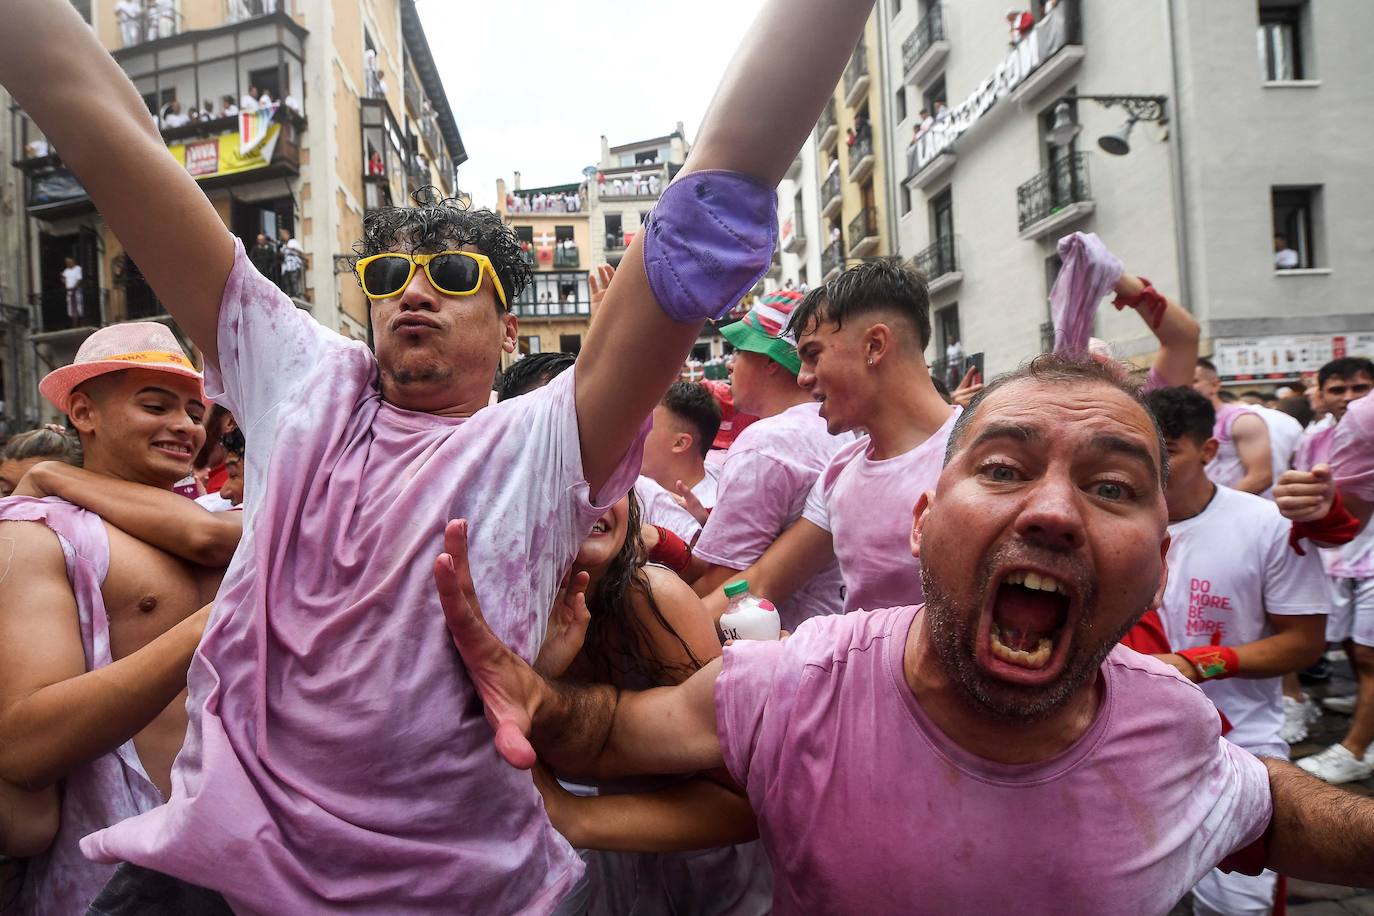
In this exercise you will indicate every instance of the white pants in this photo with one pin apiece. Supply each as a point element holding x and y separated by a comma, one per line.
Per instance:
<point>1352,611</point>
<point>1234,894</point>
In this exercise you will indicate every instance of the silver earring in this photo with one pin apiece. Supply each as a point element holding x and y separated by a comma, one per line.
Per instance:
<point>870,360</point>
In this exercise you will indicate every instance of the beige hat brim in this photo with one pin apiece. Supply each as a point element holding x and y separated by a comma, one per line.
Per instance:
<point>57,386</point>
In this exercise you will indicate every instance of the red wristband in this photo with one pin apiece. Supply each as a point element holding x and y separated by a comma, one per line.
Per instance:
<point>1213,663</point>
<point>1337,527</point>
<point>1150,297</point>
<point>671,550</point>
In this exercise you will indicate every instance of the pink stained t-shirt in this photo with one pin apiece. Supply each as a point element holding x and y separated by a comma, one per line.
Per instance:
<point>337,756</point>
<point>762,489</point>
<point>1226,469</point>
<point>658,507</point>
<point>1352,450</point>
<point>1354,560</point>
<point>866,806</point>
<point>867,506</point>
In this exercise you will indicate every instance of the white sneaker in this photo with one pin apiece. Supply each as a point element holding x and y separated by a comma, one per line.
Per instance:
<point>1342,705</point>
<point>1296,717</point>
<point>1337,765</point>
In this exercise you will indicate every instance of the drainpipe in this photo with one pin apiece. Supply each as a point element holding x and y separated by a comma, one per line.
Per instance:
<point>889,162</point>
<point>1176,161</point>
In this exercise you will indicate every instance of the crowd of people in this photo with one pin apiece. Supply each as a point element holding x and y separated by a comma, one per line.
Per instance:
<point>434,637</point>
<point>571,202</point>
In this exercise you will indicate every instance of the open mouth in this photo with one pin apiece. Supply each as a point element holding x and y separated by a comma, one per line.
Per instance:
<point>1026,625</point>
<point>602,526</point>
<point>175,449</point>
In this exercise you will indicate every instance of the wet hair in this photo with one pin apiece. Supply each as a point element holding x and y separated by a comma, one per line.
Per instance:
<point>1299,408</point>
<point>1183,413</point>
<point>1055,369</point>
<point>51,443</point>
<point>618,643</point>
<point>1345,368</point>
<point>1227,397</point>
<point>879,285</point>
<point>694,403</point>
<point>1207,364</point>
<point>437,224</point>
<point>1252,393</point>
<point>234,443</point>
<point>534,371</point>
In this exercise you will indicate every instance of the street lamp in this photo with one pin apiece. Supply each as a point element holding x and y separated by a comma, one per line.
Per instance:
<point>1117,143</point>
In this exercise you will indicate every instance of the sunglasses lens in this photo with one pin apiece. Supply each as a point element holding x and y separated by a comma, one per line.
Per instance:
<point>454,273</point>
<point>386,276</point>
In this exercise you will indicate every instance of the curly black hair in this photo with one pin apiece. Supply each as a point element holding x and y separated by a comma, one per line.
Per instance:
<point>437,223</point>
<point>1182,412</point>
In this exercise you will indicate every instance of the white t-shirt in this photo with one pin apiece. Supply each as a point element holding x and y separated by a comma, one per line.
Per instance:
<point>213,502</point>
<point>1285,259</point>
<point>1229,566</point>
<point>1284,435</point>
<point>767,475</point>
<point>657,507</point>
<point>71,276</point>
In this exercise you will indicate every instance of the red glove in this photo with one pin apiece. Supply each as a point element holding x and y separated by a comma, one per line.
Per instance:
<point>1337,527</point>
<point>671,550</point>
<point>1150,298</point>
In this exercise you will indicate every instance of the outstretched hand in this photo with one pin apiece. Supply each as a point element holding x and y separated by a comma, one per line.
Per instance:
<point>567,629</point>
<point>509,688</point>
<point>689,501</point>
<point>1305,496</point>
<point>598,281</point>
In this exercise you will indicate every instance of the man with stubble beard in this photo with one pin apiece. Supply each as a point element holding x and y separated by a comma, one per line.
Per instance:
<point>101,607</point>
<point>993,750</point>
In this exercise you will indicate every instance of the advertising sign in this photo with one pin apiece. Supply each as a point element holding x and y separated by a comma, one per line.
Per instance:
<point>1285,356</point>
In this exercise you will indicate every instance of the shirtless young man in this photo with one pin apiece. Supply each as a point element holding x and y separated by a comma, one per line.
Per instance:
<point>1009,755</point>
<point>1244,459</point>
<point>97,623</point>
<point>330,714</point>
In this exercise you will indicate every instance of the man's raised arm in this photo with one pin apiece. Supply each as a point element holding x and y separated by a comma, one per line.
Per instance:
<point>58,72</point>
<point>577,729</point>
<point>709,232</point>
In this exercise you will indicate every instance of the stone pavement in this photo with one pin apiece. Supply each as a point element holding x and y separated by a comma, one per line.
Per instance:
<point>1304,897</point>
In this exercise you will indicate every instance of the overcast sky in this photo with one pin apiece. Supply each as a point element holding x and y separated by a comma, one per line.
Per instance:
<point>534,84</point>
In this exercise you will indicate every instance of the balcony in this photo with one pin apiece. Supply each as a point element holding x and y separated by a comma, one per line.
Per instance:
<point>527,255</point>
<point>832,260</point>
<point>615,242</point>
<point>920,177</point>
<point>1055,199</point>
<point>635,183</point>
<point>827,128</point>
<point>831,195</point>
<point>775,265</point>
<point>925,49</point>
<point>861,157</point>
<point>414,96</point>
<point>940,263</point>
<point>550,201</point>
<point>567,257</point>
<point>148,25</point>
<point>243,10</point>
<point>792,235</point>
<point>856,79</point>
<point>564,308</point>
<point>1058,49</point>
<point>863,234</point>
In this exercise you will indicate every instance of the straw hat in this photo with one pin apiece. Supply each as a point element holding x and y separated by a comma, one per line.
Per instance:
<point>131,345</point>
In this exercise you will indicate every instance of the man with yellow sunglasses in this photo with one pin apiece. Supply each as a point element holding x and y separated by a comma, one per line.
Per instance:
<point>337,757</point>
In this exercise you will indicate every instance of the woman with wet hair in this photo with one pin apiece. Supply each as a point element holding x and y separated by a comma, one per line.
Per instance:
<point>49,443</point>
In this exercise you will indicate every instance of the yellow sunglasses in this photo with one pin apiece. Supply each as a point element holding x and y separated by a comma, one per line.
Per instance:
<point>453,273</point>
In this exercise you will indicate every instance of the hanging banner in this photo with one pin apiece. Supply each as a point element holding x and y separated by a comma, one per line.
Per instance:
<point>211,157</point>
<point>1049,35</point>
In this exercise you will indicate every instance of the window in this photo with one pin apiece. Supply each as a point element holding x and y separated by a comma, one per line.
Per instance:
<point>935,94</point>
<point>949,362</point>
<point>701,352</point>
<point>1050,153</point>
<point>615,232</point>
<point>1297,222</point>
<point>570,343</point>
<point>554,293</point>
<point>529,345</point>
<point>1280,39</point>
<point>268,79</point>
<point>906,199</point>
<point>896,8</point>
<point>942,215</point>
<point>901,103</point>
<point>525,234</point>
<point>157,101</point>
<point>563,234</point>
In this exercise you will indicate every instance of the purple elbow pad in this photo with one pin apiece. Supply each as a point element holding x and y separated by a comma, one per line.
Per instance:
<point>710,238</point>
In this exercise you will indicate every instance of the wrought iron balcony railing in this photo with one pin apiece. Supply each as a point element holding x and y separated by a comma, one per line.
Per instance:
<point>1061,185</point>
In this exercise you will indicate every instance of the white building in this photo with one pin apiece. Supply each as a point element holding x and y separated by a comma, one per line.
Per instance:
<point>1266,131</point>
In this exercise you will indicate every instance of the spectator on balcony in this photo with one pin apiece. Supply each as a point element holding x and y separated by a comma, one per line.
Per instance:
<point>264,100</point>
<point>375,166</point>
<point>1285,258</point>
<point>654,184</point>
<point>941,112</point>
<point>174,117</point>
<point>294,104</point>
<point>927,122</point>
<point>250,101</point>
<point>129,15</point>
<point>954,361</point>
<point>1020,22</point>
<point>72,279</point>
<point>292,264</point>
<point>850,138</point>
<point>228,109</point>
<point>266,258</point>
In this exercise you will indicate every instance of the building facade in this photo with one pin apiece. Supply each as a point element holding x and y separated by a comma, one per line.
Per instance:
<point>297,117</point>
<point>553,226</point>
<point>1260,104</point>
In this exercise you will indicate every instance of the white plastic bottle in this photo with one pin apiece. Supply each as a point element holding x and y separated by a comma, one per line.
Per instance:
<point>747,617</point>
